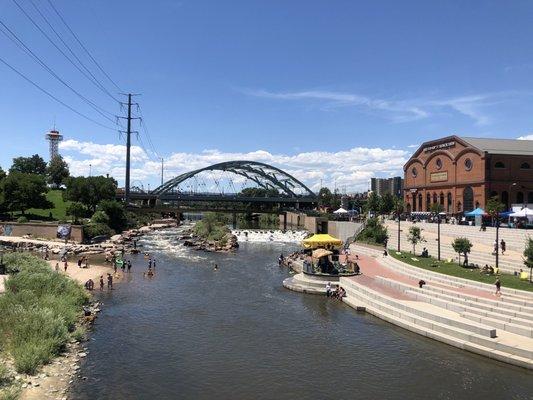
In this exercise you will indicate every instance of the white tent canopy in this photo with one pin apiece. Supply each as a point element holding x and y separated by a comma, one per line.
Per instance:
<point>340,211</point>
<point>524,212</point>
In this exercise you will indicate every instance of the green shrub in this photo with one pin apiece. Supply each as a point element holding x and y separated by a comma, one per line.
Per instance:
<point>92,230</point>
<point>374,232</point>
<point>22,219</point>
<point>100,217</point>
<point>79,334</point>
<point>38,310</point>
<point>10,393</point>
<point>5,376</point>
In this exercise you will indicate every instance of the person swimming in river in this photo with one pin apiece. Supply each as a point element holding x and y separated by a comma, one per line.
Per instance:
<point>216,267</point>
<point>149,273</point>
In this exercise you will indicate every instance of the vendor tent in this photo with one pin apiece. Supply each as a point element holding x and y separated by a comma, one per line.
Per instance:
<point>477,211</point>
<point>524,212</point>
<point>319,253</point>
<point>340,211</point>
<point>321,240</point>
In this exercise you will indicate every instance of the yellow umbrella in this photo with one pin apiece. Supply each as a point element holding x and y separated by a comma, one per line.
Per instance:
<point>319,253</point>
<point>321,240</point>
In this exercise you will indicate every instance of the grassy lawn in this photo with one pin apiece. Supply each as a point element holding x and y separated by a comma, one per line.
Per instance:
<point>454,269</point>
<point>58,212</point>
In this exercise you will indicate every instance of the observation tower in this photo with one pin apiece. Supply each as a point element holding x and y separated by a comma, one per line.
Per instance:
<point>54,137</point>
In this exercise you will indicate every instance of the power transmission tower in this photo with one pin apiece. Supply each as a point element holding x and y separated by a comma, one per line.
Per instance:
<point>128,133</point>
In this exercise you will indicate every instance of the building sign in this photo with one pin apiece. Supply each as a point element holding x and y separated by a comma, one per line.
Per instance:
<point>439,176</point>
<point>414,190</point>
<point>441,146</point>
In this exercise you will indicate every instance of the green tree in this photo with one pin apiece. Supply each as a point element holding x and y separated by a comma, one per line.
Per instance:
<point>29,165</point>
<point>374,232</point>
<point>373,203</point>
<point>76,210</point>
<point>462,245</point>
<point>116,213</point>
<point>90,190</point>
<point>399,205</point>
<point>415,236</point>
<point>436,208</point>
<point>528,257</point>
<point>2,174</point>
<point>325,196</point>
<point>57,171</point>
<point>23,191</point>
<point>100,217</point>
<point>494,206</point>
<point>387,203</point>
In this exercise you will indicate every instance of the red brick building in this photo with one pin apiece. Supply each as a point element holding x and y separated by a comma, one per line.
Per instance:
<point>461,173</point>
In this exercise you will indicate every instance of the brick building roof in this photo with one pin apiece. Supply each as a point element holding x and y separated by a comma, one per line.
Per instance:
<point>501,146</point>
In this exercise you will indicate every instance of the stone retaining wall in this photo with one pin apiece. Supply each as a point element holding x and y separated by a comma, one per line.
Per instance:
<point>38,230</point>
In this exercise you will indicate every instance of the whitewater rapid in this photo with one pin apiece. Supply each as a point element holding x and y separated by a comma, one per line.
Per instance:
<point>264,236</point>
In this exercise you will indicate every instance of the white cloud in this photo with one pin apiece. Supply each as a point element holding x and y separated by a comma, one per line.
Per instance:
<point>526,137</point>
<point>397,111</point>
<point>349,169</point>
<point>473,106</point>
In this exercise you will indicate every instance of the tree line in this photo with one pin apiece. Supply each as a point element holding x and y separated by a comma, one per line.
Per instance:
<point>28,180</point>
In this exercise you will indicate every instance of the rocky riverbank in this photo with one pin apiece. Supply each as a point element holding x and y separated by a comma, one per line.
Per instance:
<point>124,242</point>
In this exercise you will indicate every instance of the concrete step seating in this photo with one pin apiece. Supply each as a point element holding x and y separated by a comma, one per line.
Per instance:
<point>305,284</point>
<point>450,330</point>
<point>498,318</point>
<point>494,303</point>
<point>511,295</point>
<point>423,315</point>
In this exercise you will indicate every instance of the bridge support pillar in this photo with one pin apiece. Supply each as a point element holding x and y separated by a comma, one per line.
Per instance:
<point>234,220</point>
<point>284,221</point>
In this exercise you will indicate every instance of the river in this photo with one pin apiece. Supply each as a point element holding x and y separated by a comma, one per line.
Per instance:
<point>236,333</point>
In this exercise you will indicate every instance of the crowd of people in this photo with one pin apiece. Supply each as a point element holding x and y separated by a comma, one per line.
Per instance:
<point>335,293</point>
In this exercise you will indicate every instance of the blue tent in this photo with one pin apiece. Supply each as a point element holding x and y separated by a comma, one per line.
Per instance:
<point>505,214</point>
<point>477,211</point>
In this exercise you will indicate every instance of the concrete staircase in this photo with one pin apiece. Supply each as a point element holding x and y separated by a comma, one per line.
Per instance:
<point>452,310</point>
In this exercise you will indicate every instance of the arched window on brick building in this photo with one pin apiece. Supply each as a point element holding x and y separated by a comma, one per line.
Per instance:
<point>419,201</point>
<point>428,201</point>
<point>449,207</point>
<point>468,198</point>
<point>520,197</point>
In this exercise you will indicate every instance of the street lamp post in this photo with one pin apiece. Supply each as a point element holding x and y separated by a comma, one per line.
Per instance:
<point>399,230</point>
<point>438,236</point>
<point>497,247</point>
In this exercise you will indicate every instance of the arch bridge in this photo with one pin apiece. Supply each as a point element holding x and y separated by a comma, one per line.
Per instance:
<point>231,181</point>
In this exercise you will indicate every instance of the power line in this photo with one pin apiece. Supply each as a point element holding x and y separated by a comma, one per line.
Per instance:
<point>52,96</point>
<point>90,77</point>
<point>146,132</point>
<point>82,46</point>
<point>15,39</point>
<point>65,43</point>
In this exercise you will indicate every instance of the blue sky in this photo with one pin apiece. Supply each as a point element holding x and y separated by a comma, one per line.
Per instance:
<point>332,90</point>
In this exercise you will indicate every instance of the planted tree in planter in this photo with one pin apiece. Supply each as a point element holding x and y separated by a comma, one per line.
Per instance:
<point>528,257</point>
<point>415,236</point>
<point>463,246</point>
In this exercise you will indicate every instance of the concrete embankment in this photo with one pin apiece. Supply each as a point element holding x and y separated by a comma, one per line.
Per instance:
<point>455,311</point>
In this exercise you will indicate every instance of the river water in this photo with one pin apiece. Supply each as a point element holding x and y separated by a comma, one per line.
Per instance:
<point>236,333</point>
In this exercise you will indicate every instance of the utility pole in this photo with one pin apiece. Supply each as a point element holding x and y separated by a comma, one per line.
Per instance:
<point>128,148</point>
<point>128,151</point>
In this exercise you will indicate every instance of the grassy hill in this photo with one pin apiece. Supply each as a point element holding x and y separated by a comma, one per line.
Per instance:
<point>58,212</point>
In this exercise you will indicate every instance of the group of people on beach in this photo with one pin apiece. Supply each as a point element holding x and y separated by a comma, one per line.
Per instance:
<point>83,262</point>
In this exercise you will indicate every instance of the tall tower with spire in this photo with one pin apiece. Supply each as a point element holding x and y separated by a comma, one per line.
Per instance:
<point>54,137</point>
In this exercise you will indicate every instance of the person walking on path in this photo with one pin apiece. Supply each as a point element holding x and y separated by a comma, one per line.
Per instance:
<point>57,267</point>
<point>495,247</point>
<point>101,282</point>
<point>503,246</point>
<point>498,285</point>
<point>65,265</point>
